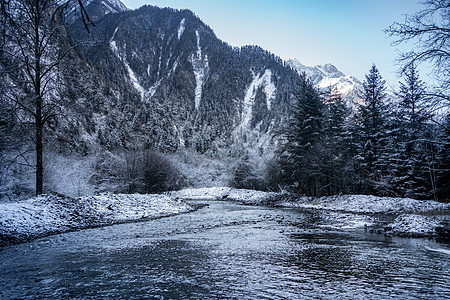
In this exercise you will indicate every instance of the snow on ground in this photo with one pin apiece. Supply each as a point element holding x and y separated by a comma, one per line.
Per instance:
<point>413,225</point>
<point>343,212</point>
<point>211,193</point>
<point>340,220</point>
<point>249,197</point>
<point>46,215</point>
<point>367,204</point>
<point>410,214</point>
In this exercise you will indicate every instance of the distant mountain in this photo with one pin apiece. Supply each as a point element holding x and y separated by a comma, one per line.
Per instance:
<point>329,78</point>
<point>95,9</point>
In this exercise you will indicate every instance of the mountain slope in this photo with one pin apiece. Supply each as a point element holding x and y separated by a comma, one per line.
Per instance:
<point>184,86</point>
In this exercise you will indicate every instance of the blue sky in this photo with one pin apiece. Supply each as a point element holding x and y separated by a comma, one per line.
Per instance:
<point>346,33</point>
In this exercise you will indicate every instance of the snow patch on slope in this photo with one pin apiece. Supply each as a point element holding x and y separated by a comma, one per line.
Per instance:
<point>154,88</point>
<point>118,4</point>
<point>113,44</point>
<point>181,28</point>
<point>174,67</point>
<point>108,8</point>
<point>201,66</point>
<point>134,80</point>
<point>250,95</point>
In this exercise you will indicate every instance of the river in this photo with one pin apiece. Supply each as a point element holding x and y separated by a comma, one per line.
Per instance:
<point>226,251</point>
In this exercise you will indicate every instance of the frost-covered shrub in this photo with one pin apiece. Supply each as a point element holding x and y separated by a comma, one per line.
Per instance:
<point>246,176</point>
<point>135,171</point>
<point>68,175</point>
<point>108,172</point>
<point>158,173</point>
<point>16,178</point>
<point>202,170</point>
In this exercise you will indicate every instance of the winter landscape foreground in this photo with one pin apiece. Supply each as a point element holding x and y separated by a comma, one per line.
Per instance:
<point>53,214</point>
<point>223,249</point>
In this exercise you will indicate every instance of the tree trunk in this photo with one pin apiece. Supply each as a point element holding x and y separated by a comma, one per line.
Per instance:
<point>39,162</point>
<point>39,100</point>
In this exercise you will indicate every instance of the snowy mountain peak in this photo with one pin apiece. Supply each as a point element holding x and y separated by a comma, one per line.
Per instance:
<point>330,70</point>
<point>328,78</point>
<point>96,9</point>
<point>118,5</point>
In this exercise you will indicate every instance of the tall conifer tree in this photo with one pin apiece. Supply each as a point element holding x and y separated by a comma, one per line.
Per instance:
<point>373,132</point>
<point>413,179</point>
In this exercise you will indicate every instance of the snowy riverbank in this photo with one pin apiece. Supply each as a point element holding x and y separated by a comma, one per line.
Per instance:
<point>249,197</point>
<point>45,215</point>
<point>409,217</point>
<point>49,214</point>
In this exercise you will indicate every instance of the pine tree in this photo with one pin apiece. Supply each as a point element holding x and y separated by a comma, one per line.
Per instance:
<point>413,154</point>
<point>336,165</point>
<point>373,135</point>
<point>300,159</point>
<point>443,165</point>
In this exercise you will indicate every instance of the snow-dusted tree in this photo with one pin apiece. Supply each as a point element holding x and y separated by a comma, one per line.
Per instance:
<point>31,55</point>
<point>414,161</point>
<point>414,104</point>
<point>429,29</point>
<point>299,158</point>
<point>244,175</point>
<point>373,133</point>
<point>443,164</point>
<point>336,166</point>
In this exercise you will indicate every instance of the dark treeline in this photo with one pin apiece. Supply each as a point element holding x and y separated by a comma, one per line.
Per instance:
<point>389,146</point>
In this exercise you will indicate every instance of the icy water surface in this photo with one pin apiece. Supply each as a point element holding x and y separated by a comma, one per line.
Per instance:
<point>226,251</point>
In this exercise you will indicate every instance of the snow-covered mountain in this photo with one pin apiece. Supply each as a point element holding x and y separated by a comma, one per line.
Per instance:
<point>328,78</point>
<point>160,78</point>
<point>95,9</point>
<point>180,86</point>
<point>176,85</point>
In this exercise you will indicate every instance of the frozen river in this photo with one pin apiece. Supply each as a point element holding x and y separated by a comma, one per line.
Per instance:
<point>226,251</point>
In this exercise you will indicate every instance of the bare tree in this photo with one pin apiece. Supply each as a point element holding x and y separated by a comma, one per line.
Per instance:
<point>31,54</point>
<point>429,29</point>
